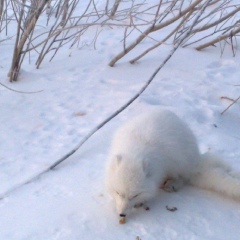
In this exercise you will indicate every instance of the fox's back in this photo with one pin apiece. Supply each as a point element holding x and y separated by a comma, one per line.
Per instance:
<point>159,137</point>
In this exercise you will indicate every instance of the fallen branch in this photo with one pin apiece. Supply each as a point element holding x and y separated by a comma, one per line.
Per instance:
<point>230,105</point>
<point>227,98</point>
<point>19,91</point>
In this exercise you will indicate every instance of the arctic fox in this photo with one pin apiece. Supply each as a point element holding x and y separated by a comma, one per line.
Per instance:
<point>158,150</point>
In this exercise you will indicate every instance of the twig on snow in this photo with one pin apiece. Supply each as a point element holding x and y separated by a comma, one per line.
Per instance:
<point>19,91</point>
<point>230,105</point>
<point>230,99</point>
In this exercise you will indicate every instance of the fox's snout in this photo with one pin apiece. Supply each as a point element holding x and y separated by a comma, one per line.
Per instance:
<point>122,207</point>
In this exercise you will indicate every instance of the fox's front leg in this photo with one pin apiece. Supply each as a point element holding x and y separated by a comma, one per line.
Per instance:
<point>143,205</point>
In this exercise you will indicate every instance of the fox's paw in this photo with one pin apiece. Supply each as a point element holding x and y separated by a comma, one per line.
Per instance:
<point>143,205</point>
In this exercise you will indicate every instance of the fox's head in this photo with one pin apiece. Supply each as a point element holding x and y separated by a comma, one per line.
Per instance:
<point>129,183</point>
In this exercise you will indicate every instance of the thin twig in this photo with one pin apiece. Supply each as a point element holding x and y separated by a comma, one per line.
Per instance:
<point>218,39</point>
<point>151,29</point>
<point>227,98</point>
<point>19,91</point>
<point>230,105</point>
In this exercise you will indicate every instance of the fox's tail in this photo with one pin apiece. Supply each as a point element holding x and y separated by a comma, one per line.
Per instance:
<point>218,176</point>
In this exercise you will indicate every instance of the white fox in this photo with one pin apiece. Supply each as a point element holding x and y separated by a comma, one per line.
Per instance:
<point>158,150</point>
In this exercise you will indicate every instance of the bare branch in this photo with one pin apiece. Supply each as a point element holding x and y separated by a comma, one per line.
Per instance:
<point>19,91</point>
<point>218,39</point>
<point>150,29</point>
<point>115,7</point>
<point>19,44</point>
<point>230,105</point>
<point>216,24</point>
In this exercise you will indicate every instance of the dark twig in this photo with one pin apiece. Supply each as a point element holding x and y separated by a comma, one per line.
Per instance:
<point>230,105</point>
<point>19,91</point>
<point>171,209</point>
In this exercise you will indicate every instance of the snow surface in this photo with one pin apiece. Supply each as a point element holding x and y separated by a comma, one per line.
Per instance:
<point>79,91</point>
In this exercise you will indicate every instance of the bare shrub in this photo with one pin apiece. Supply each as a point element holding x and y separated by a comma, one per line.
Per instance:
<point>177,15</point>
<point>66,24</point>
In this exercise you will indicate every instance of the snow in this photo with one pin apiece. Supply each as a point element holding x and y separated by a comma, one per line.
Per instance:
<point>79,91</point>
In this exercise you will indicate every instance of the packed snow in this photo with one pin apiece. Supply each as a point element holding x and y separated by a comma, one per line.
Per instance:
<point>80,90</point>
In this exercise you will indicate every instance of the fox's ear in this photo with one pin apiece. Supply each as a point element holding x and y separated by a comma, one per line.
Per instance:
<point>146,168</point>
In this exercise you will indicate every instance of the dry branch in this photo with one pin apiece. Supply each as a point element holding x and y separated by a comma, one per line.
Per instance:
<point>154,27</point>
<point>17,91</point>
<point>175,16</point>
<point>115,7</point>
<point>65,12</point>
<point>1,9</point>
<point>185,16</point>
<point>230,105</point>
<point>218,39</point>
<point>21,40</point>
<point>163,41</point>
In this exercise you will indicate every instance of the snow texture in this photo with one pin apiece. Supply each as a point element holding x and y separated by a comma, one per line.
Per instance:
<point>79,91</point>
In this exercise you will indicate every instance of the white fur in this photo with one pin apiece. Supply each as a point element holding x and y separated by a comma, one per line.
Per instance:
<point>157,146</point>
<point>218,176</point>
